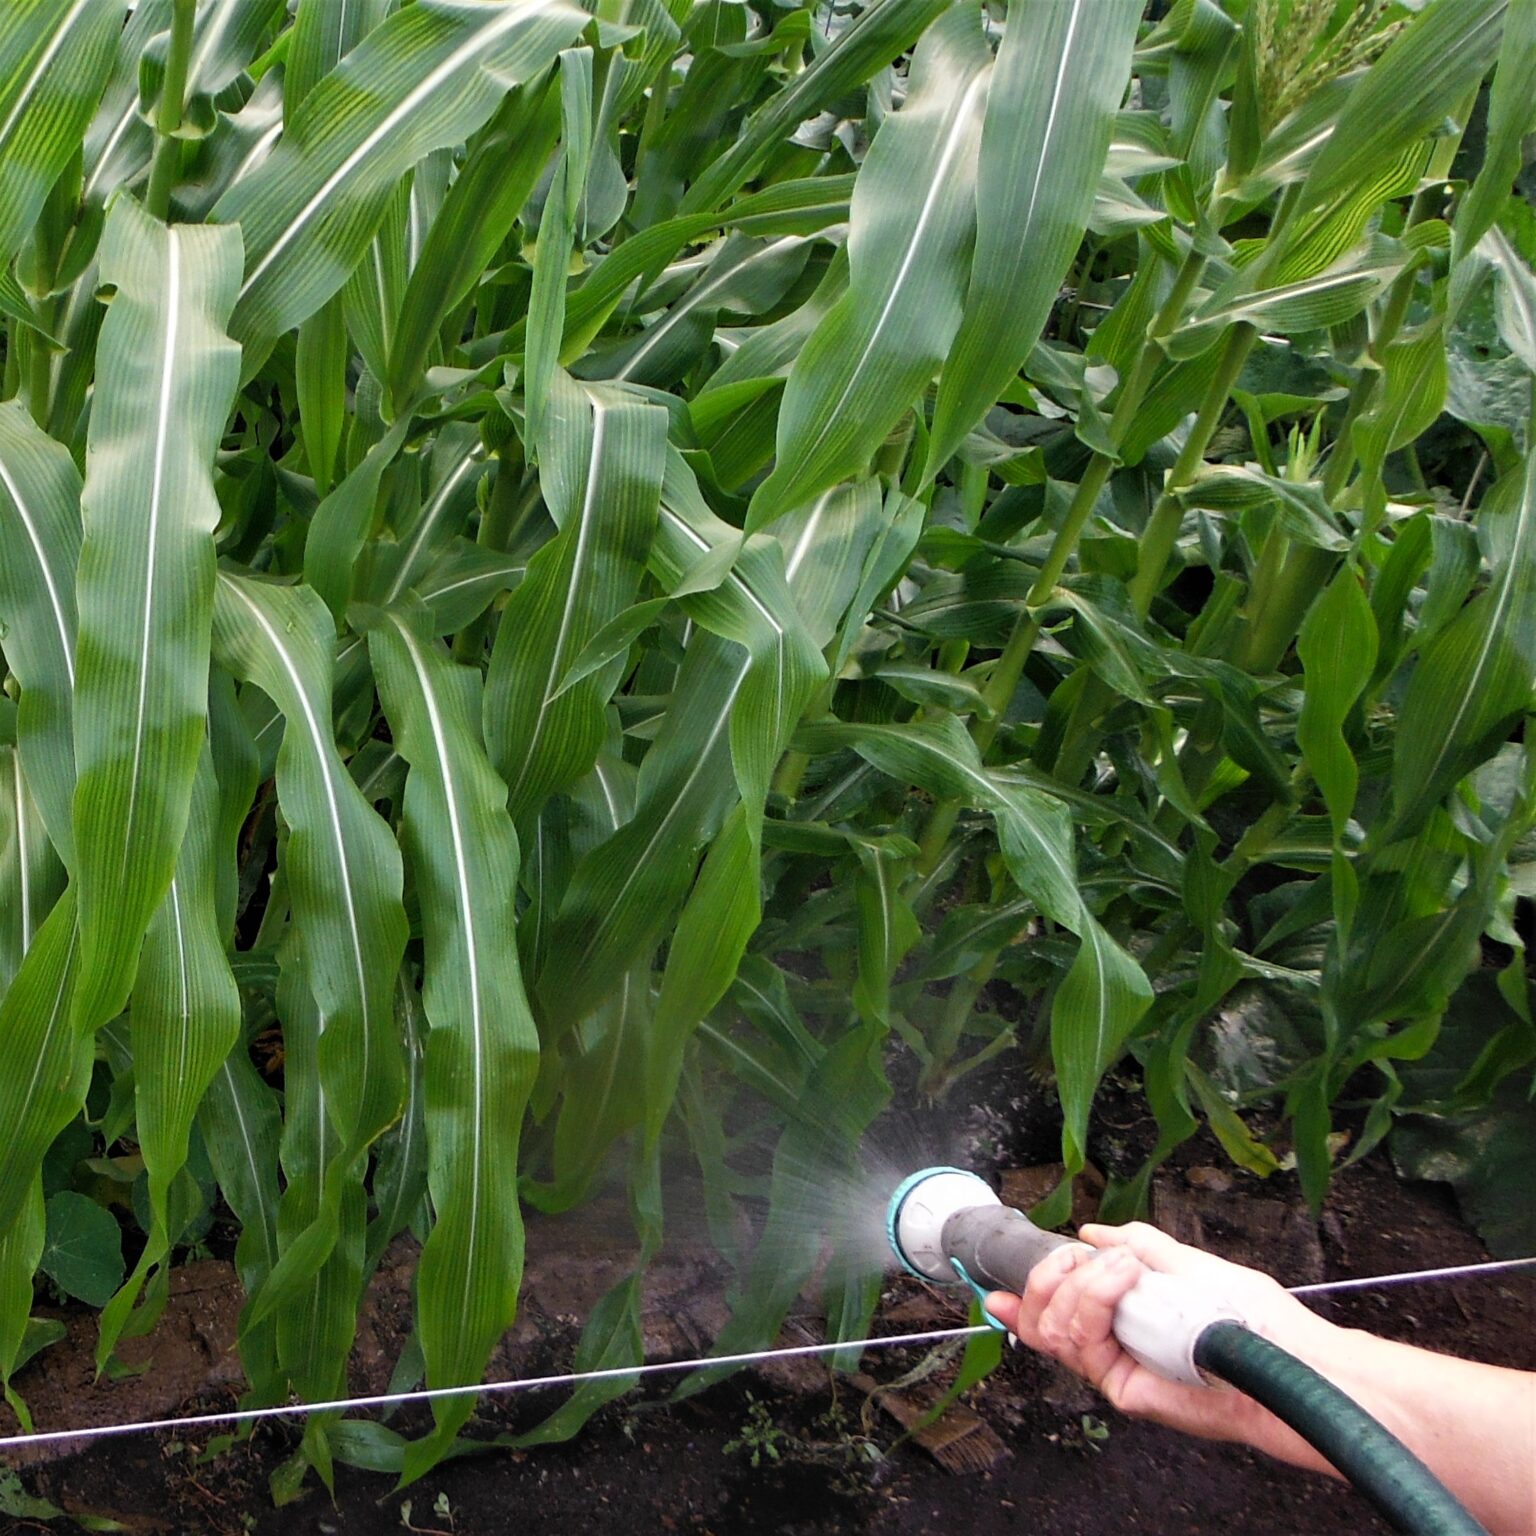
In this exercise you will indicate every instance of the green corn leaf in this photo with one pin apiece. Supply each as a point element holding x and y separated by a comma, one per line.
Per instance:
<point>320,383</point>
<point>422,80</point>
<point>47,1061</point>
<point>912,223</point>
<point>880,33</point>
<point>1300,505</point>
<point>623,893</point>
<point>373,294</point>
<point>323,35</point>
<point>602,481</point>
<point>1411,398</point>
<point>482,1049</point>
<point>888,928</point>
<point>315,1325</point>
<point>1337,647</point>
<point>186,1019</point>
<point>400,1174</point>
<point>557,232</point>
<point>1477,676</point>
<point>55,56</point>
<point>146,578</point>
<point>745,276</point>
<point>753,607</point>
<point>457,468</point>
<point>1516,286</point>
<point>476,216</point>
<point>343,876</point>
<point>31,875</point>
<point>1425,75</point>
<point>241,1128</point>
<point>1104,993</point>
<point>40,541</point>
<point>1509,119</point>
<point>343,521</point>
<point>225,39</point>
<point>20,1251</point>
<point>719,919</point>
<point>1060,75</point>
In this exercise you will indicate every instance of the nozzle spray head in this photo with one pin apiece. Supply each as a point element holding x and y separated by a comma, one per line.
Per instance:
<point>914,1220</point>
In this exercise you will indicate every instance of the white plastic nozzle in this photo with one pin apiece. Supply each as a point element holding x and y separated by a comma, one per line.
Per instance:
<point>919,1210</point>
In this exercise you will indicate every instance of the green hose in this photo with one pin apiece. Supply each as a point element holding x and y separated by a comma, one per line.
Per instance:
<point>1375,1461</point>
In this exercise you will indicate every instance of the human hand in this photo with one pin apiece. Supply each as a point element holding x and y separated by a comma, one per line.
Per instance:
<point>1068,1312</point>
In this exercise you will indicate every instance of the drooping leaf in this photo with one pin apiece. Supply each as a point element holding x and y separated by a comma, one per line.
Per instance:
<point>482,1048</point>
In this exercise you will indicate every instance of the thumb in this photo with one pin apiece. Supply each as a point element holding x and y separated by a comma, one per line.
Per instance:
<point>1004,1306</point>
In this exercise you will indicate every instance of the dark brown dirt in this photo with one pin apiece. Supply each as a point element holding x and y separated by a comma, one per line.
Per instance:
<point>1075,1467</point>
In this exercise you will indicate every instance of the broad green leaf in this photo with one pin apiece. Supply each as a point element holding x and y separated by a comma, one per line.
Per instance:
<point>1477,677</point>
<point>185,1017</point>
<point>146,578</point>
<point>39,550</point>
<point>912,224</point>
<point>881,32</point>
<point>225,38</point>
<point>479,210</point>
<point>20,1249</point>
<point>1337,647</point>
<point>1427,72</point>
<point>323,35</point>
<point>55,56</point>
<point>482,1048</point>
<point>241,1127</point>
<point>623,893</point>
<point>552,252</point>
<point>422,80</point>
<point>343,521</point>
<point>1302,509</point>
<point>457,467</point>
<point>888,928</point>
<point>315,1325</point>
<point>601,480</point>
<point>753,607</point>
<point>31,875</point>
<point>1510,115</point>
<point>1409,401</point>
<point>45,1062</point>
<point>721,914</point>
<point>343,876</point>
<point>83,1248</point>
<point>1060,75</point>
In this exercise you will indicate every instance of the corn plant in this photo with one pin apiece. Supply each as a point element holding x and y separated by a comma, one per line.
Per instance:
<point>575,579</point>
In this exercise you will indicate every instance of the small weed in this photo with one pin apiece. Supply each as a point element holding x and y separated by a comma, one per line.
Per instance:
<point>760,1438</point>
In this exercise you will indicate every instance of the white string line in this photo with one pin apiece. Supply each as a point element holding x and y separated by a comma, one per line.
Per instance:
<point>523,1384</point>
<point>1488,1267</point>
<point>654,1368</point>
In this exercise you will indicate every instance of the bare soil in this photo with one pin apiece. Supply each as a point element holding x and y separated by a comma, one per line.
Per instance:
<point>786,1448</point>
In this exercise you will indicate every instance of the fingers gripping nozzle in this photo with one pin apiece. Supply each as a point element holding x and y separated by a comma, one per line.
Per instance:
<point>946,1225</point>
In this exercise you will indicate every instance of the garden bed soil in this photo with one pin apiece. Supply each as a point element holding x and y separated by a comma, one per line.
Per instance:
<point>826,1458</point>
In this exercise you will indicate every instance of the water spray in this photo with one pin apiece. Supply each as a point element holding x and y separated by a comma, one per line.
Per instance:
<point>947,1226</point>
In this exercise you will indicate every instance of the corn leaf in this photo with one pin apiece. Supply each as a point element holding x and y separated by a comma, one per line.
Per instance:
<point>482,1048</point>
<point>146,578</point>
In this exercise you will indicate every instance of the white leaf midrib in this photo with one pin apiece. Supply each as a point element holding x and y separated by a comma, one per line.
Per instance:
<point>491,33</point>
<point>151,558</point>
<point>320,743</point>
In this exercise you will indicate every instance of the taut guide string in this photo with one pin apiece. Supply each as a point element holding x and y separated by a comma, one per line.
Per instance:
<point>655,1368</point>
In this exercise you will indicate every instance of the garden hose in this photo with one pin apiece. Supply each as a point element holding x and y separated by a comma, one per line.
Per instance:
<point>1338,1428</point>
<point>946,1225</point>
